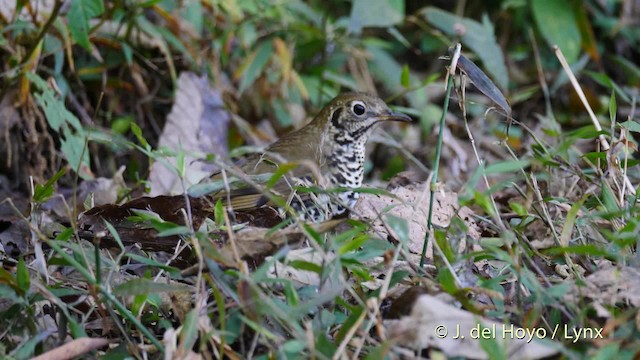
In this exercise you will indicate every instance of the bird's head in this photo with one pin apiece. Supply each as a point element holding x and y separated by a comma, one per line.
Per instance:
<point>354,115</point>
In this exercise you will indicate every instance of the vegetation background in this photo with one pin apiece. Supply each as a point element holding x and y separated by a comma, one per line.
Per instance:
<point>551,232</point>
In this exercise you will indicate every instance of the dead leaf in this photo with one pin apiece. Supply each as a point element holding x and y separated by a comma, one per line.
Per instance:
<point>609,285</point>
<point>412,204</point>
<point>102,191</point>
<point>436,324</point>
<point>250,242</point>
<point>14,231</point>
<point>73,348</point>
<point>257,243</point>
<point>91,223</point>
<point>300,278</point>
<point>197,123</point>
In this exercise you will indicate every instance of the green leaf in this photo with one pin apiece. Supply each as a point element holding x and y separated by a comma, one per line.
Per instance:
<point>42,193</point>
<point>631,125</point>
<point>557,23</point>
<point>588,249</point>
<point>294,347</point>
<point>127,51</point>
<point>291,294</point>
<point>351,321</point>
<point>22,276</point>
<point>490,344</point>
<point>558,291</point>
<point>405,77</point>
<point>482,82</point>
<point>476,36</point>
<point>280,172</point>
<point>569,222</point>
<point>170,229</point>
<point>585,132</point>
<point>518,208</point>
<point>613,107</point>
<point>141,286</point>
<point>608,198</point>
<point>606,81</point>
<point>175,272</point>
<point>79,14</point>
<point>122,124</point>
<point>138,134</point>
<point>400,227</point>
<point>75,150</point>
<point>255,64</point>
<point>447,281</point>
<point>189,332</point>
<point>353,244</point>
<point>630,70</point>
<point>385,67</point>
<point>65,234</point>
<point>306,266</point>
<point>72,135</point>
<point>202,189</point>
<point>375,13</point>
<point>27,349</point>
<point>609,351</point>
<point>218,213</point>
<point>506,166</point>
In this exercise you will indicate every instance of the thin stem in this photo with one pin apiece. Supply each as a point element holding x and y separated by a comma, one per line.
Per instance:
<point>434,178</point>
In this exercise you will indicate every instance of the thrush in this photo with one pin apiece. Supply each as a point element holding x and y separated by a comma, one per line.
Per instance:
<point>333,143</point>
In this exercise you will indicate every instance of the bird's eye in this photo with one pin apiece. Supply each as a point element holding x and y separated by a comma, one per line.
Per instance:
<point>358,108</point>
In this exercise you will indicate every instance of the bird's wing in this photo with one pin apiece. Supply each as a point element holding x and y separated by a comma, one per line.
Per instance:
<point>251,197</point>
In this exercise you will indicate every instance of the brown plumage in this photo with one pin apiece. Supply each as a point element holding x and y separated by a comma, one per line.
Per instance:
<point>333,142</point>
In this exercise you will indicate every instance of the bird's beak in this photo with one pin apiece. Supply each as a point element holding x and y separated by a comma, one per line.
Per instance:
<point>395,116</point>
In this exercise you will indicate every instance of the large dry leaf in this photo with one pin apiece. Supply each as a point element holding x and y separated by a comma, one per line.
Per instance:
<point>456,332</point>
<point>101,191</point>
<point>255,240</point>
<point>609,285</point>
<point>412,204</point>
<point>74,348</point>
<point>198,123</point>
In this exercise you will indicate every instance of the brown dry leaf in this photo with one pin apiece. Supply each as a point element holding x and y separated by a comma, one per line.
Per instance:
<point>15,234</point>
<point>168,208</point>
<point>609,285</point>
<point>197,124</point>
<point>434,324</point>
<point>413,204</point>
<point>300,277</point>
<point>250,242</point>
<point>258,243</point>
<point>14,237</point>
<point>74,348</point>
<point>102,191</point>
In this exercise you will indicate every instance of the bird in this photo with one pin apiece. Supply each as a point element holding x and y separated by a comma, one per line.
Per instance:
<point>328,152</point>
<point>333,143</point>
